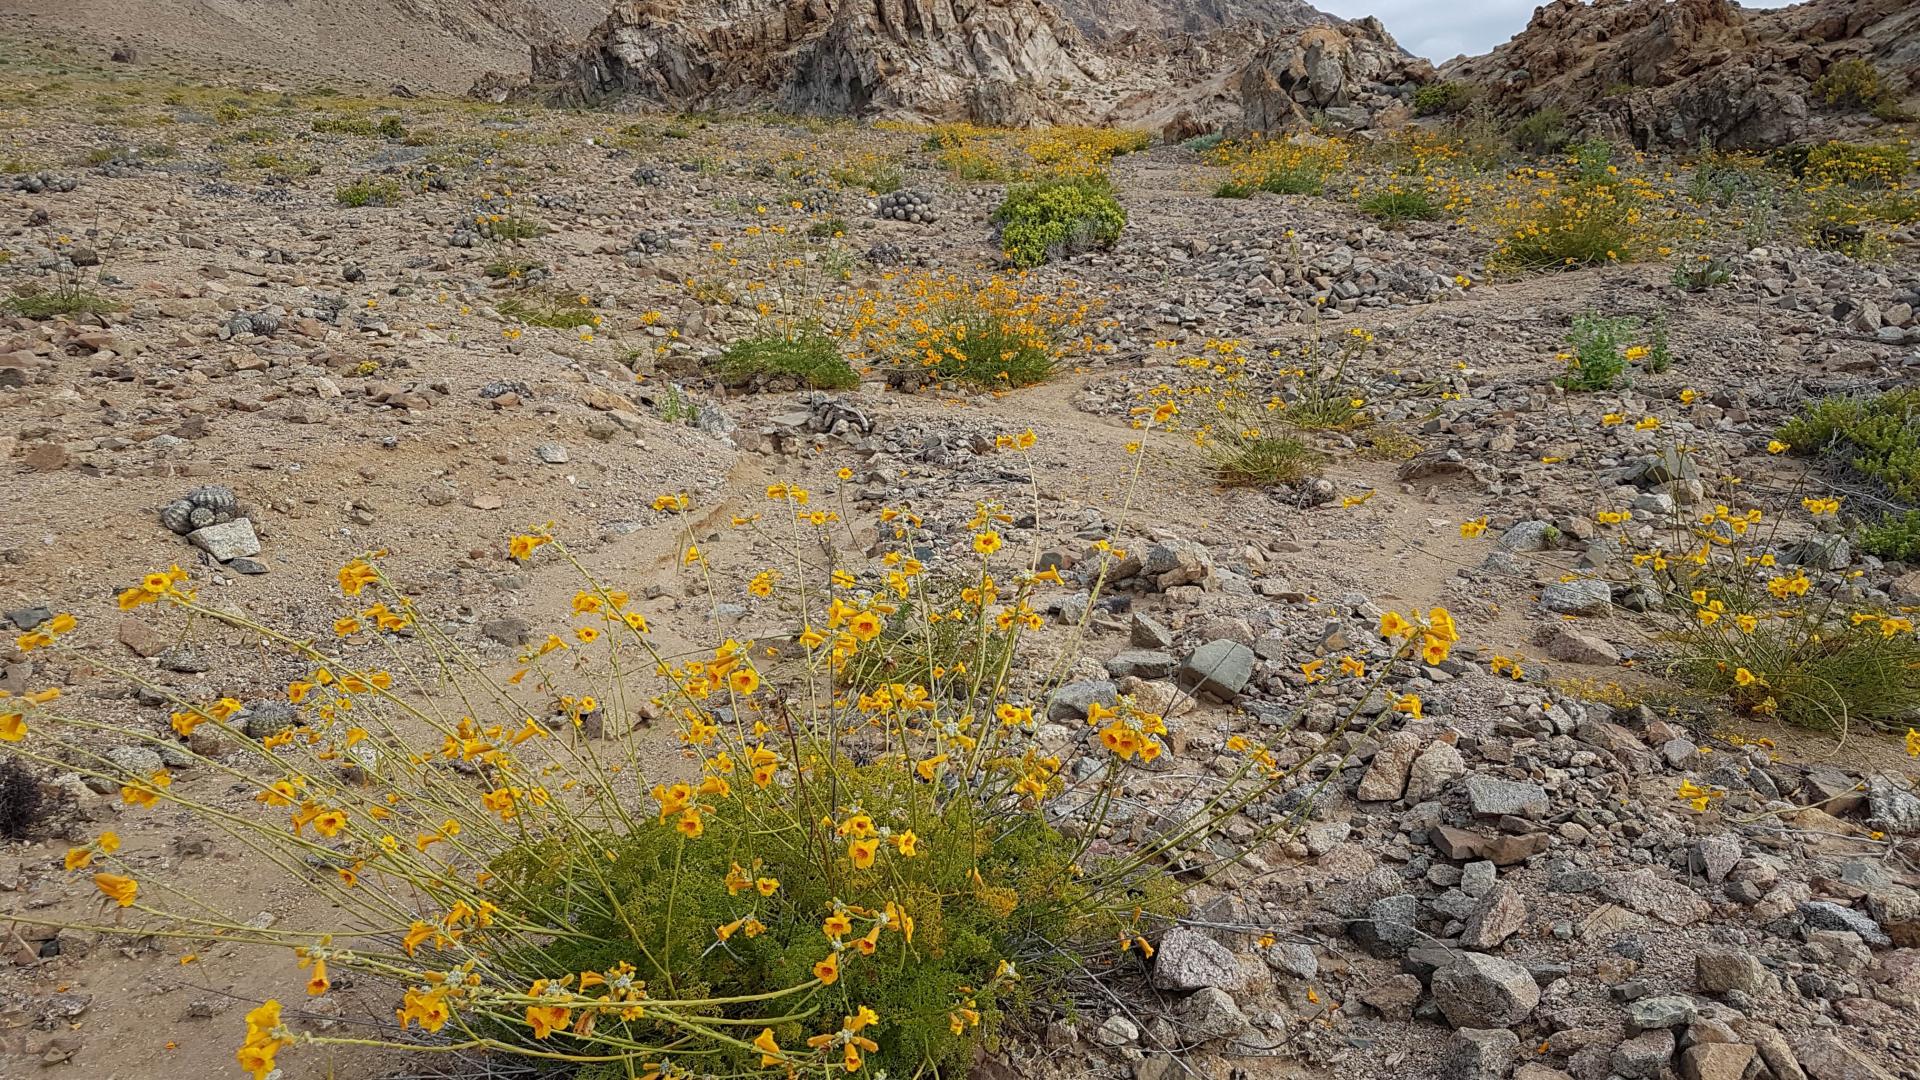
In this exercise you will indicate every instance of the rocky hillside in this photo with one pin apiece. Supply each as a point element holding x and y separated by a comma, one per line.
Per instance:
<point>1689,72</point>
<point>1112,20</point>
<point>425,45</point>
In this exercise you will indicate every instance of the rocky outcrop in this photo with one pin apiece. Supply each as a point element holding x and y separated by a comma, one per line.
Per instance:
<point>1352,76</point>
<point>1102,21</point>
<point>995,61</point>
<point>1687,73</point>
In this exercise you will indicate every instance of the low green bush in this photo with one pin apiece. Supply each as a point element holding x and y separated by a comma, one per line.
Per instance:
<point>805,353</point>
<point>1056,218</point>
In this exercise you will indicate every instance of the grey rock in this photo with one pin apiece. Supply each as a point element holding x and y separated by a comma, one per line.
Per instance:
<point>1718,971</point>
<point>227,541</point>
<point>1480,1054</point>
<point>1386,775</point>
<point>1394,998</point>
<point>1715,1061</point>
<point>1209,1014</point>
<point>1583,596</point>
<point>1070,701</point>
<point>1475,990</point>
<point>1714,857</point>
<point>1892,808</point>
<point>1499,915</point>
<point>1220,667</point>
<point>508,630</point>
<point>1437,767</point>
<point>1142,664</point>
<point>1190,960</point>
<point>1116,1030</point>
<point>1665,1011</point>
<point>1824,551</point>
<point>552,453</point>
<point>1527,536</point>
<point>1390,926</point>
<point>1827,915</point>
<point>1643,1057</point>
<point>1149,633</point>
<point>1293,958</point>
<point>1477,878</point>
<point>1490,796</point>
<point>1579,647</point>
<point>135,761</point>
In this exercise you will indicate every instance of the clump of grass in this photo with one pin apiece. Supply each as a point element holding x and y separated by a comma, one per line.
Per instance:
<point>935,654</point>
<point>827,228</point>
<point>1895,537</point>
<point>364,127</point>
<point>1388,444</point>
<point>1597,358</point>
<point>999,332</point>
<point>511,269</point>
<point>1585,213</point>
<point>1252,458</point>
<point>804,353</point>
<point>1398,205</point>
<point>1876,437</point>
<point>1056,218</point>
<point>65,299</point>
<point>1817,669</point>
<point>369,192</point>
<point>536,307</point>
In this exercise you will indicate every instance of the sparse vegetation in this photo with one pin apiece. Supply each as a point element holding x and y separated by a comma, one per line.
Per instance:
<point>369,192</point>
<point>66,299</point>
<point>1543,132</point>
<point>1443,98</point>
<point>1877,438</point>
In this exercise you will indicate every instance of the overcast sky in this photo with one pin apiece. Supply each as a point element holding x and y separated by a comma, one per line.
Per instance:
<point>1440,31</point>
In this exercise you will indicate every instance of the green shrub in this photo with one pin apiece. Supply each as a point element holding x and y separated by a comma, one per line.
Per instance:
<point>1442,98</point>
<point>805,353</point>
<point>1895,537</point>
<point>1809,668</point>
<point>1866,165</point>
<point>1598,358</point>
<point>1544,132</point>
<point>357,126</point>
<point>369,192</point>
<point>992,349</point>
<point>827,228</point>
<point>1700,273</point>
<point>1056,218</point>
<point>1876,437</point>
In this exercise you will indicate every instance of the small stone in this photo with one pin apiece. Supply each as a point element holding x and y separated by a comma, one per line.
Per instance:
<point>1825,1057</point>
<point>1386,775</point>
<point>1209,1014</point>
<point>1665,1011</point>
<point>1142,664</point>
<point>1293,958</point>
<point>1189,960</point>
<point>1220,667</point>
<point>1492,797</point>
<point>1643,1057</point>
<point>1437,767</point>
<point>1714,857</point>
<point>1499,915</point>
<point>1071,702</point>
<point>552,453</point>
<point>226,541</point>
<point>1116,1030</point>
<point>508,630</point>
<point>1578,647</point>
<point>1718,971</point>
<point>1715,1061</point>
<point>1395,997</point>
<point>1584,596</point>
<point>1480,1054</point>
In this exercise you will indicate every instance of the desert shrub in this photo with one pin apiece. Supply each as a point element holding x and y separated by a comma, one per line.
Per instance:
<point>357,126</point>
<point>1854,84</point>
<point>1568,217</point>
<point>1437,98</point>
<point>1877,437</point>
<point>802,352</point>
<point>1052,219</point>
<point>369,192</point>
<point>1542,132</point>
<point>932,653</point>
<point>827,228</point>
<point>829,882</point>
<point>1894,536</point>
<point>64,299</point>
<point>1291,166</point>
<point>997,332</point>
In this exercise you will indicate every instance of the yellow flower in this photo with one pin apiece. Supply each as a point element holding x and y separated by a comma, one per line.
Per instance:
<point>1392,625</point>
<point>1409,704</point>
<point>1471,529</point>
<point>862,852</point>
<point>547,1019</point>
<point>1743,677</point>
<point>986,543</point>
<point>743,680</point>
<point>827,971</point>
<point>1913,743</point>
<point>121,890</point>
<point>13,726</point>
<point>356,576</point>
<point>770,1052</point>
